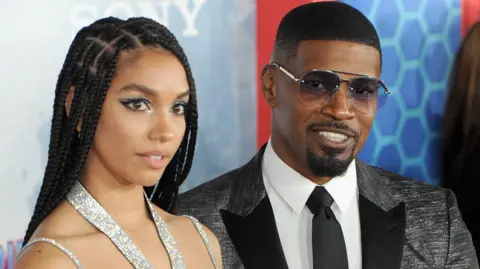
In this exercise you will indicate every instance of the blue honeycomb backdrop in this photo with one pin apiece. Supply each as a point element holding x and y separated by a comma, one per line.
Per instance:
<point>419,40</point>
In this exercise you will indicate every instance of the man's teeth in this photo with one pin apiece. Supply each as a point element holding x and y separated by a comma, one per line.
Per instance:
<point>334,137</point>
<point>153,157</point>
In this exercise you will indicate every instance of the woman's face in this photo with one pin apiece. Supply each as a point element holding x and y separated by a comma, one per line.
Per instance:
<point>142,121</point>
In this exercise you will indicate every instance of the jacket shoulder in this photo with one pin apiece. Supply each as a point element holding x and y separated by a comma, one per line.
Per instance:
<point>217,185</point>
<point>412,190</point>
<point>213,193</point>
<point>434,226</point>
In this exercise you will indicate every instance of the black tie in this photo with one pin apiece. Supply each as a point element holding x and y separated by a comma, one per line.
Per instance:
<point>329,251</point>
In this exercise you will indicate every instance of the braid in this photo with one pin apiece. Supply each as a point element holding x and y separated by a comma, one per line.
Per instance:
<point>89,66</point>
<point>58,120</point>
<point>64,131</point>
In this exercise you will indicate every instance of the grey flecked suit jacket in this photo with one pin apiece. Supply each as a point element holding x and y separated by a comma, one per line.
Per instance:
<point>405,224</point>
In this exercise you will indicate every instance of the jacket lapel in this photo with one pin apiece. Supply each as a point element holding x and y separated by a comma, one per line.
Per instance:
<point>382,221</point>
<point>250,222</point>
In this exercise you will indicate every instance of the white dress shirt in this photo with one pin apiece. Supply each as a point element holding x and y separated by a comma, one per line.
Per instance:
<point>288,192</point>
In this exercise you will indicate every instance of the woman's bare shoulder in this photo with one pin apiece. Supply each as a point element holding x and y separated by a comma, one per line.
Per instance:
<point>176,222</point>
<point>215,245</point>
<point>185,226</point>
<point>62,227</point>
<point>43,255</point>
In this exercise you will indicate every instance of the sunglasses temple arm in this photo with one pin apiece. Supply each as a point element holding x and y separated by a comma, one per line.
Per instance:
<point>288,73</point>
<point>387,91</point>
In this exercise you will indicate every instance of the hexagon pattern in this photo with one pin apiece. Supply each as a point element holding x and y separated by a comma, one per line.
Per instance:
<point>412,39</point>
<point>419,41</point>
<point>412,79</point>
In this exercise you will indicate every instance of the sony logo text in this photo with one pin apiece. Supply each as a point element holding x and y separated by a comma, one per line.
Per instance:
<point>159,10</point>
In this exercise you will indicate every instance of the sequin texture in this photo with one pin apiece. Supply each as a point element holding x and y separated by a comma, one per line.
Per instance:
<point>91,210</point>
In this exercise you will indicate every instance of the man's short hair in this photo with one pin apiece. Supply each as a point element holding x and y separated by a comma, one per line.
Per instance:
<point>324,21</point>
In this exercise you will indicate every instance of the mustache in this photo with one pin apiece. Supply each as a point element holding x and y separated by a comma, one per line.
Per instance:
<point>331,124</point>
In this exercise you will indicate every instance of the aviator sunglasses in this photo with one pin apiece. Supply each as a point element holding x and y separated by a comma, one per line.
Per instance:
<point>318,86</point>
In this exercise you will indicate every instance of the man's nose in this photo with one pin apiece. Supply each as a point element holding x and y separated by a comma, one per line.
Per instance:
<point>339,106</point>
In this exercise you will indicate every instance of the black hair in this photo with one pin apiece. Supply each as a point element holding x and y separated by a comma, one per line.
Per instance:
<point>461,122</point>
<point>324,21</point>
<point>89,66</point>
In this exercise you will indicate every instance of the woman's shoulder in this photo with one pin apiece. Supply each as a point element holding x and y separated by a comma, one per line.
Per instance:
<point>208,238</point>
<point>193,231</point>
<point>56,240</point>
<point>177,222</point>
<point>213,244</point>
<point>42,254</point>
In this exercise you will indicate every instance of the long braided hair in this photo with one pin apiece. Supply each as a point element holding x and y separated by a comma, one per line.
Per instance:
<point>89,66</point>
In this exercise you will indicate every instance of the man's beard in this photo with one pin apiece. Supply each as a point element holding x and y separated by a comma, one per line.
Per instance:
<point>329,165</point>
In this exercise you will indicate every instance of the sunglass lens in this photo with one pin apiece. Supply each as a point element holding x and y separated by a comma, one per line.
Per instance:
<point>317,85</point>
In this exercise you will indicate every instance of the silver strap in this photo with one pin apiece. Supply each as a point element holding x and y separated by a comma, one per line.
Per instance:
<point>92,211</point>
<point>176,258</point>
<point>204,236</point>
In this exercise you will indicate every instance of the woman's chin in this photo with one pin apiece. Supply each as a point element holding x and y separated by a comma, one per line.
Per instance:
<point>146,178</point>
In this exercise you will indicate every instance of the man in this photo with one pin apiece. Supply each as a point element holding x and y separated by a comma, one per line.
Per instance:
<point>304,201</point>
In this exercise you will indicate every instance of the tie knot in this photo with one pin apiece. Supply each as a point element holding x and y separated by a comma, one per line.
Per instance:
<point>320,198</point>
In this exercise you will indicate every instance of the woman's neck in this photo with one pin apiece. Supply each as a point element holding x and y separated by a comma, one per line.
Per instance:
<point>124,201</point>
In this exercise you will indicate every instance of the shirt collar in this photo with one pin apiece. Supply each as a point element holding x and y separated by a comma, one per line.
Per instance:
<point>295,188</point>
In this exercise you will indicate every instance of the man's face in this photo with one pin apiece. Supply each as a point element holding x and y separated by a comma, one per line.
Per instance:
<point>320,138</point>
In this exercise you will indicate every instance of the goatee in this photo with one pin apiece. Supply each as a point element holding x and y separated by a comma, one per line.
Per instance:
<point>328,165</point>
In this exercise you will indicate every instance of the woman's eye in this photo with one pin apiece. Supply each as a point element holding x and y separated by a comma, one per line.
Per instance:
<point>179,108</point>
<point>136,104</point>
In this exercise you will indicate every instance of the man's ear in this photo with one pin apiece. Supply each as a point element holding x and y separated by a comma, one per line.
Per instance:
<point>269,87</point>
<point>68,105</point>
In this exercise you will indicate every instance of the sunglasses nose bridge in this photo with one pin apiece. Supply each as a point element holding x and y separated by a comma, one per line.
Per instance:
<point>346,81</point>
<point>338,86</point>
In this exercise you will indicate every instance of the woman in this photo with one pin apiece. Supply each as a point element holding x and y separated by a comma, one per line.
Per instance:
<point>461,151</point>
<point>125,116</point>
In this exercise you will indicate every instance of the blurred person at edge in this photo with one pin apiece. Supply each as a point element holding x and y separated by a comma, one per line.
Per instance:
<point>122,141</point>
<point>305,201</point>
<point>461,133</point>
